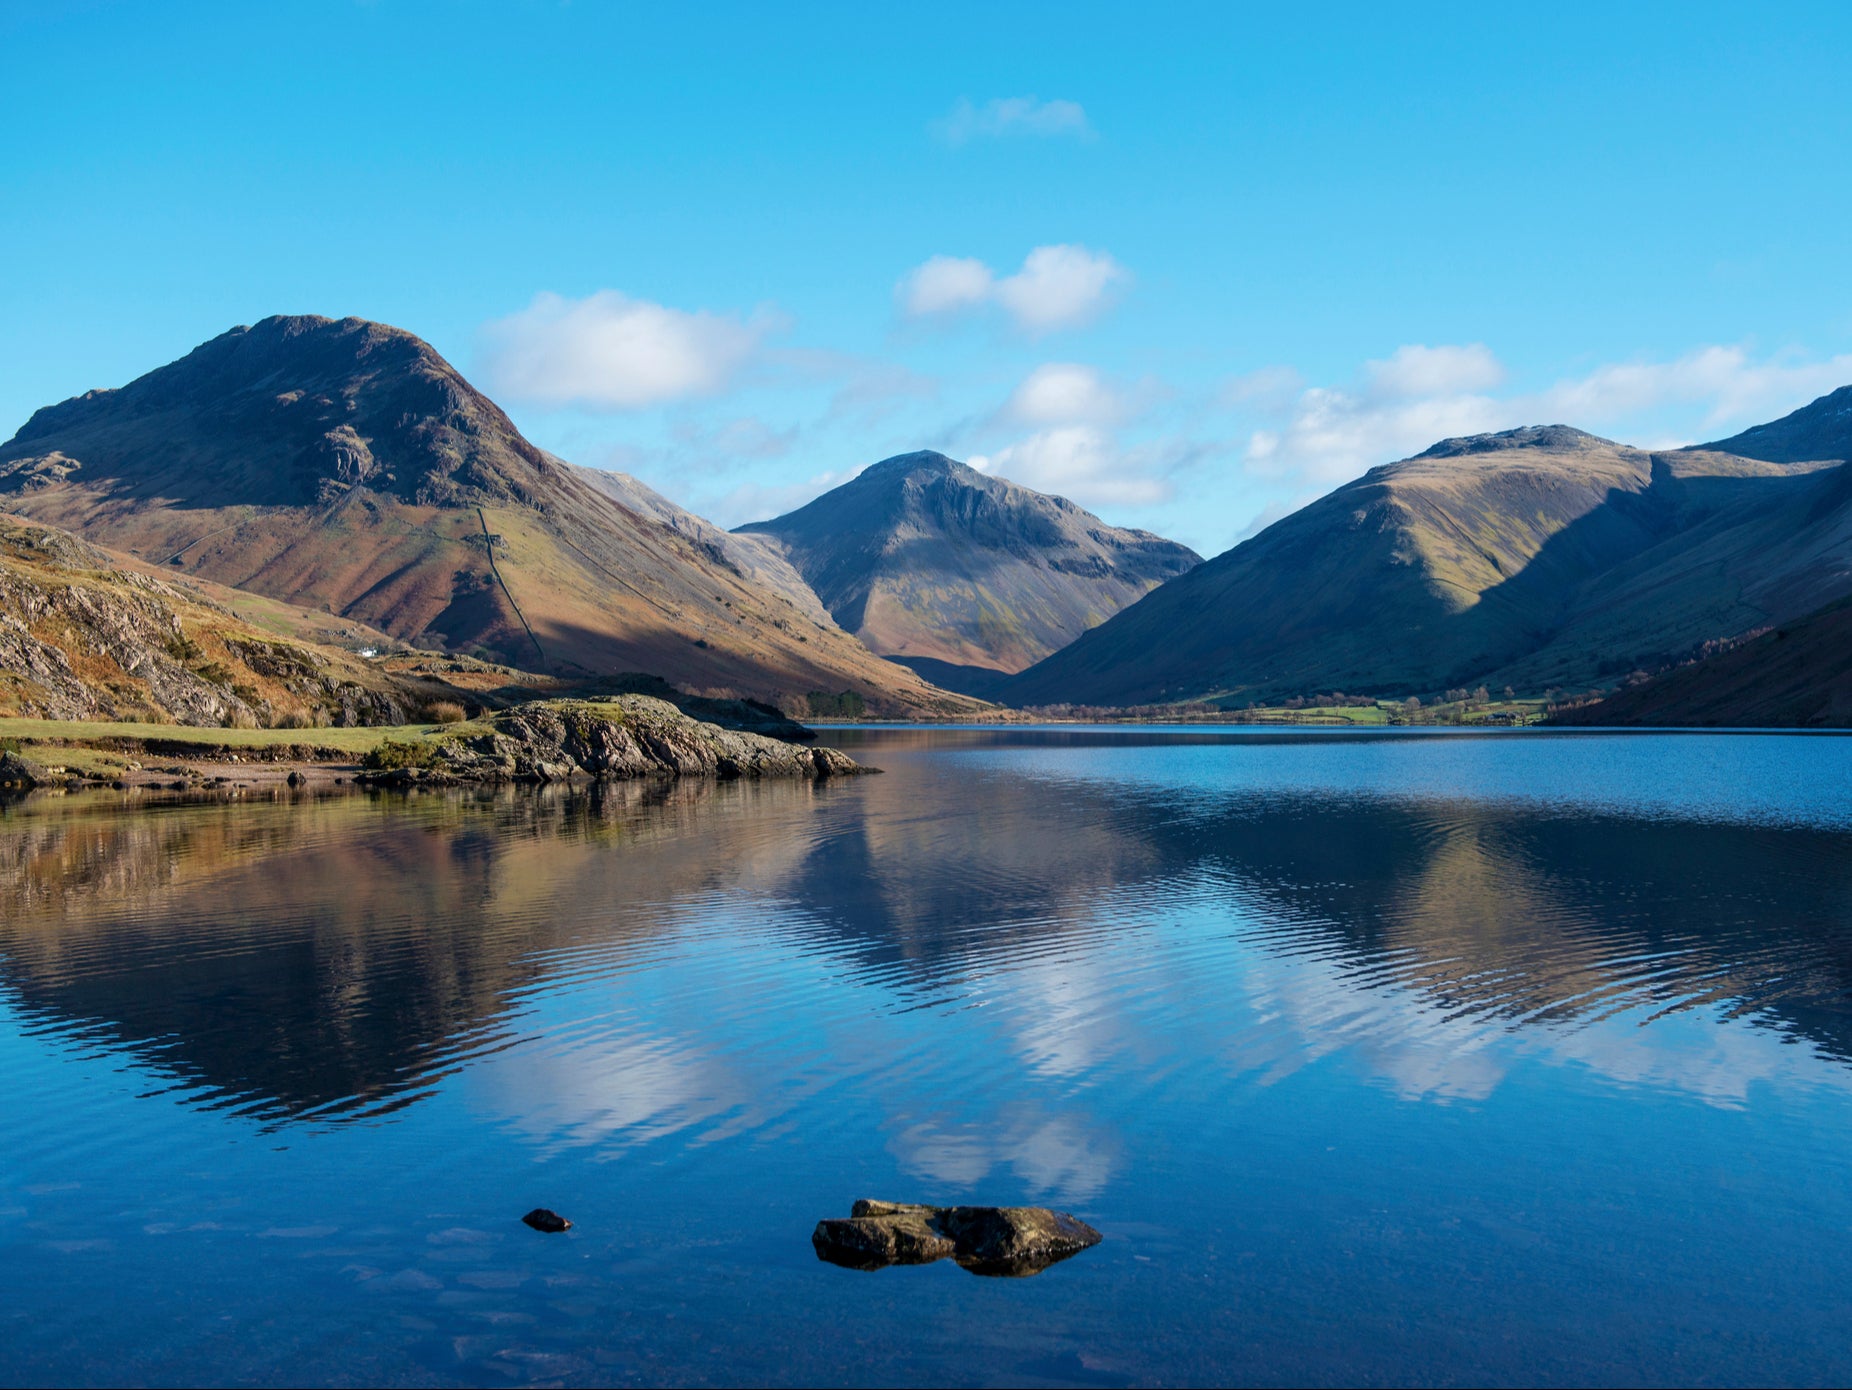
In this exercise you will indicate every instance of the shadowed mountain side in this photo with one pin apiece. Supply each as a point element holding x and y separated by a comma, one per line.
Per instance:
<point>346,466</point>
<point>1534,558</point>
<point>1798,676</point>
<point>921,556</point>
<point>1822,430</point>
<point>980,682</point>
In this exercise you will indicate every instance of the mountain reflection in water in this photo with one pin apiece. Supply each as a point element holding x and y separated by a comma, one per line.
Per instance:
<point>1398,1059</point>
<point>336,957</point>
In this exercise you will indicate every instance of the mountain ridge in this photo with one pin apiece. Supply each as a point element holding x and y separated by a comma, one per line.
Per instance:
<point>1539,557</point>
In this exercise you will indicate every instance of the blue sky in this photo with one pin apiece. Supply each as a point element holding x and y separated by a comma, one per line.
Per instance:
<point>1190,265</point>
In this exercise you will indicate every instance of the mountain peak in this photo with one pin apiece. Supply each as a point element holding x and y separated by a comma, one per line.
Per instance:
<point>919,461</point>
<point>1563,438</point>
<point>298,409</point>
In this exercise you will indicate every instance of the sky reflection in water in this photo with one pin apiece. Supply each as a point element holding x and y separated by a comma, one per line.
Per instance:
<point>1505,1058</point>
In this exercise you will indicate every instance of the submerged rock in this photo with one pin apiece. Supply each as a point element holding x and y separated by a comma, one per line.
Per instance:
<point>545,1219</point>
<point>1011,1241</point>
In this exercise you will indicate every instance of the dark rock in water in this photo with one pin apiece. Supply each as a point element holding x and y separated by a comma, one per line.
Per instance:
<point>16,771</point>
<point>294,779</point>
<point>895,1234</point>
<point>1012,1241</point>
<point>541,1219</point>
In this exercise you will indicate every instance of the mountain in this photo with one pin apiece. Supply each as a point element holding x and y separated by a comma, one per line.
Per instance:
<point>1797,676</point>
<point>961,574</point>
<point>1537,557</point>
<point>344,465</point>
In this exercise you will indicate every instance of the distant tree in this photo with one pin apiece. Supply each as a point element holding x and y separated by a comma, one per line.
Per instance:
<point>1510,694</point>
<point>1481,695</point>
<point>1412,704</point>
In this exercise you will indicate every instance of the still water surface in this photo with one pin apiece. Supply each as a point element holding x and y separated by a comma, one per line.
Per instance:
<point>1378,1058</point>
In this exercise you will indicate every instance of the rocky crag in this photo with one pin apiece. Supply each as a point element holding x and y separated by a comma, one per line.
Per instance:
<point>85,635</point>
<point>622,738</point>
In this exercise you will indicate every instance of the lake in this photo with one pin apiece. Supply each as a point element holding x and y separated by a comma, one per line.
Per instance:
<point>1408,1057</point>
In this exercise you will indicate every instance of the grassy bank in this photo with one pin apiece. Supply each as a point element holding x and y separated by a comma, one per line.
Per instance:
<point>80,733</point>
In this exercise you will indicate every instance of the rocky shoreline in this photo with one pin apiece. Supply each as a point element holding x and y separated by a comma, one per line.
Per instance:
<point>627,737</point>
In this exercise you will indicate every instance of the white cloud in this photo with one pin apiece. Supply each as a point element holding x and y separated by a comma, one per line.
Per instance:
<point>1736,389</point>
<point>1059,286</point>
<point>611,352</point>
<point>1004,116</point>
<point>1080,462</point>
<point>1064,393</point>
<point>1417,370</point>
<point>1334,435</point>
<point>945,284</point>
<point>1420,395</point>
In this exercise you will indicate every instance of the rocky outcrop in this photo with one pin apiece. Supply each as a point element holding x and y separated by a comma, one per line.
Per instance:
<point>619,739</point>
<point>1011,1241</point>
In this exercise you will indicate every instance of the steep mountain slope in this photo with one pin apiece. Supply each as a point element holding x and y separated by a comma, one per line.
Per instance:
<point>759,558</point>
<point>1797,676</point>
<point>929,560</point>
<point>1536,557</point>
<point>85,634</point>
<point>345,465</point>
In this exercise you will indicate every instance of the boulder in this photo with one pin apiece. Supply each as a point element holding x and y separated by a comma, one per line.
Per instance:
<point>1010,1241</point>
<point>19,773</point>
<point>544,1219</point>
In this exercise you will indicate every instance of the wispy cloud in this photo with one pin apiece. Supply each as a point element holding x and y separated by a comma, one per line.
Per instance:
<point>610,352</point>
<point>1059,286</point>
<point>1084,463</point>
<point>1733,387</point>
<point>1065,393</point>
<point>1009,116</point>
<point>1401,404</point>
